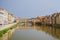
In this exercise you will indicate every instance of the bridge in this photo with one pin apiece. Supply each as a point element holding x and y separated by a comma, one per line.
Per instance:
<point>27,21</point>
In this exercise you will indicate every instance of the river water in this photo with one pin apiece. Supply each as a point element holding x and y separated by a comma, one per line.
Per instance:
<point>24,32</point>
<point>36,33</point>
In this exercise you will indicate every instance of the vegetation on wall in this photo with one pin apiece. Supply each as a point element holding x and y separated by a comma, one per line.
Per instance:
<point>7,29</point>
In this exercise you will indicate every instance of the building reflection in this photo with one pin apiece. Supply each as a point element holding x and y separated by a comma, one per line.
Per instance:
<point>52,31</point>
<point>49,30</point>
<point>7,35</point>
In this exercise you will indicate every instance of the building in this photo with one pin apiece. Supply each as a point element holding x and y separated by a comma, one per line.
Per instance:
<point>57,18</point>
<point>48,20</point>
<point>44,19</point>
<point>54,18</point>
<point>17,19</point>
<point>39,18</point>
<point>11,18</point>
<point>3,16</point>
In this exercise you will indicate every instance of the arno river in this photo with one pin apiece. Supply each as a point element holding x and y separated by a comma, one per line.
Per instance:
<point>34,33</point>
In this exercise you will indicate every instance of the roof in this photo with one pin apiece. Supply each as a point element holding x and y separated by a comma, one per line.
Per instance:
<point>2,9</point>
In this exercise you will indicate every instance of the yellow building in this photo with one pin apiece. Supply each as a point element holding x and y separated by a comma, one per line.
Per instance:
<point>40,18</point>
<point>11,18</point>
<point>58,18</point>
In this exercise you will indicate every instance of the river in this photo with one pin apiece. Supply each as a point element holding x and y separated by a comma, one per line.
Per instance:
<point>34,32</point>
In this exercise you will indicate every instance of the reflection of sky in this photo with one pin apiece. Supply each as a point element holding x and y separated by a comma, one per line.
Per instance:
<point>31,35</point>
<point>30,8</point>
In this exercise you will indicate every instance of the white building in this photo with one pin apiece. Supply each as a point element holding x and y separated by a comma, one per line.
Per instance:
<point>12,18</point>
<point>3,17</point>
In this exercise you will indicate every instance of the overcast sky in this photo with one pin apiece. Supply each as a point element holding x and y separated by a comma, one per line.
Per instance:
<point>30,8</point>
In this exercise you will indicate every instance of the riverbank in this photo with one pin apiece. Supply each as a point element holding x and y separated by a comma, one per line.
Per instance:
<point>4,29</point>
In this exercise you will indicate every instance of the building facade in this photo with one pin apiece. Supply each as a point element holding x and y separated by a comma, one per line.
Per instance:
<point>57,18</point>
<point>11,18</point>
<point>3,17</point>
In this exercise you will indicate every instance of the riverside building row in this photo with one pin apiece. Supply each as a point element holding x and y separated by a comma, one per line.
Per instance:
<point>53,19</point>
<point>7,18</point>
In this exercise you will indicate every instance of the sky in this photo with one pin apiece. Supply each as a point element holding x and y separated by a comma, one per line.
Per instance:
<point>30,8</point>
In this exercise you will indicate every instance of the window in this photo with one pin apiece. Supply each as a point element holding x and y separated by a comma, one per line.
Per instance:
<point>0,17</point>
<point>1,13</point>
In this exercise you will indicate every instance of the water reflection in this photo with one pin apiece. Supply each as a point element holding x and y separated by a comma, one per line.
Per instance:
<point>7,35</point>
<point>36,33</point>
<point>28,32</point>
